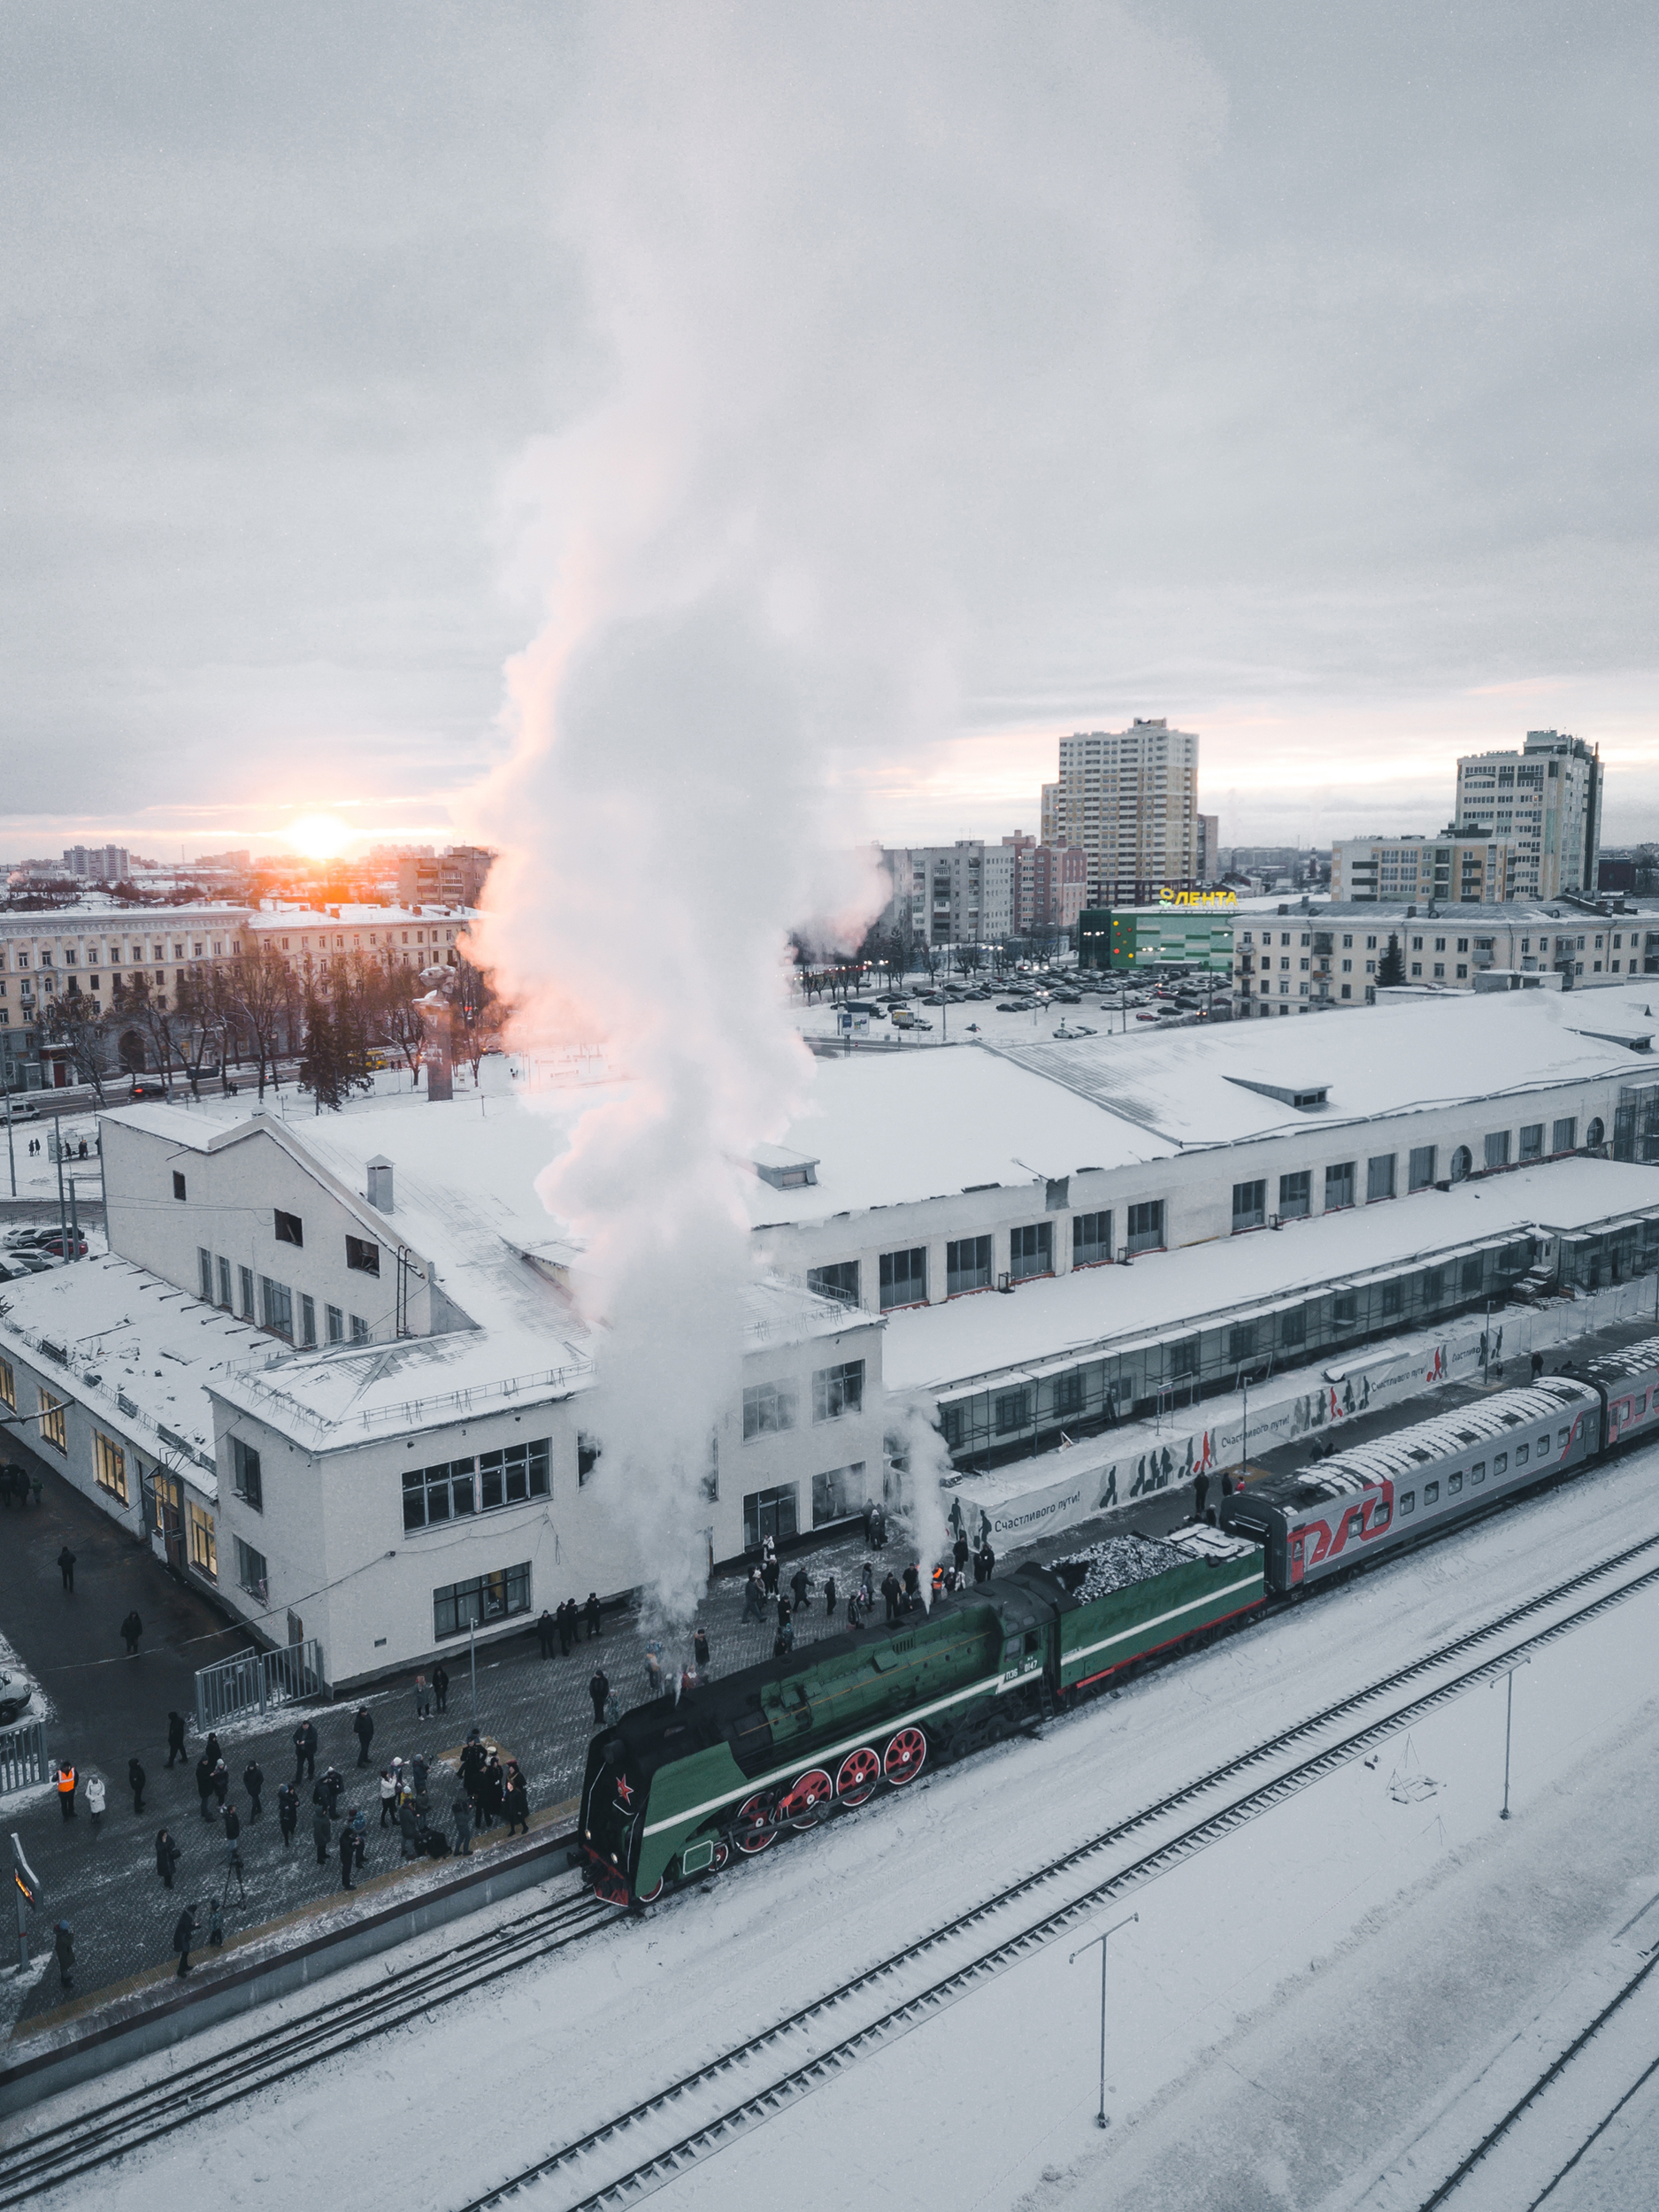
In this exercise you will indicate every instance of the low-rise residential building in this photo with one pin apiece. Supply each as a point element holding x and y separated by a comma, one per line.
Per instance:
<point>454,877</point>
<point>951,895</point>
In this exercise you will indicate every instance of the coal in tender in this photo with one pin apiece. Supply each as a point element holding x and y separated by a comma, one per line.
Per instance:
<point>1116,1562</point>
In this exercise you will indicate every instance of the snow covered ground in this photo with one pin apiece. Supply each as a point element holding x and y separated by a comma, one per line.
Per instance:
<point>1328,2008</point>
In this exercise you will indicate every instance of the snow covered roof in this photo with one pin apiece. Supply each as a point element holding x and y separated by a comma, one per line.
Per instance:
<point>136,1351</point>
<point>944,1348</point>
<point>1391,1458</point>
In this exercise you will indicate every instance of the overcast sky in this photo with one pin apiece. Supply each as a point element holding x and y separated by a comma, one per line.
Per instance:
<point>1285,369</point>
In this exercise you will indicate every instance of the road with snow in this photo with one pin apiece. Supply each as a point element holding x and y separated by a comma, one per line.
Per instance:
<point>1330,2006</point>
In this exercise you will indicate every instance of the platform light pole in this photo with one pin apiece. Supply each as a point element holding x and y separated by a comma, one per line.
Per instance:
<point>1509,1725</point>
<point>1102,1939</point>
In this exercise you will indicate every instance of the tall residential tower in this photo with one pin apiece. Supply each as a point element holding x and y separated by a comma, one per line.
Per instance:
<point>1548,798</point>
<point>1130,799</point>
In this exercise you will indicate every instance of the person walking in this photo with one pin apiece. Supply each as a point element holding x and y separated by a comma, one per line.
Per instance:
<point>204,1784</point>
<point>183,1932</point>
<point>440,1686</point>
<point>829,1597</point>
<point>166,1857</point>
<point>754,1597</point>
<point>461,1818</point>
<point>423,1699</point>
<point>253,1782</point>
<point>221,1786</point>
<point>389,1796</point>
<point>215,1923</point>
<point>959,1552</point>
<point>322,1828</point>
<point>64,1944</point>
<point>132,1628</point>
<point>598,1690</point>
<point>986,1558</point>
<point>700,1648</point>
<point>287,1807</point>
<point>492,1792</point>
<point>175,1737</point>
<point>97,1798</point>
<point>545,1633</point>
<point>363,1729</point>
<point>232,1849</point>
<point>408,1828</point>
<point>866,1588</point>
<point>592,1609</point>
<point>348,1856</point>
<point>304,1752</point>
<point>800,1582</point>
<point>66,1567</point>
<point>67,1791</point>
<point>333,1788</point>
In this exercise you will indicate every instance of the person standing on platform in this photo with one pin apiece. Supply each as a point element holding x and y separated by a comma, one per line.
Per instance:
<point>348,1856</point>
<point>96,1796</point>
<point>253,1782</point>
<point>67,1791</point>
<point>598,1690</point>
<point>175,1738</point>
<point>304,1753</point>
<point>287,1806</point>
<point>322,1828</point>
<point>166,1857</point>
<point>440,1687</point>
<point>204,1784</point>
<point>132,1628</point>
<point>64,1944</point>
<point>66,1568</point>
<point>363,1729</point>
<point>545,1633</point>
<point>1200,1494</point>
<point>423,1699</point>
<point>136,1780</point>
<point>184,1930</point>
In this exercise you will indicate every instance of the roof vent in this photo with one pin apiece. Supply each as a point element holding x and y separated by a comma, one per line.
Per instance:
<point>1306,1096</point>
<point>380,1184</point>
<point>783,1170</point>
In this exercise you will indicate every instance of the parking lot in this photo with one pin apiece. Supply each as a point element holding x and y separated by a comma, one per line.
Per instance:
<point>1014,1009</point>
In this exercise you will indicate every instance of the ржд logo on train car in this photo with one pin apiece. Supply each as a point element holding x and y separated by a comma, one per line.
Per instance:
<point>1312,1542</point>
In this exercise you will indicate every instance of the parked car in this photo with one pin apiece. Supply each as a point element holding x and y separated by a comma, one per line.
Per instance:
<point>56,1246</point>
<point>15,1696</point>
<point>1069,997</point>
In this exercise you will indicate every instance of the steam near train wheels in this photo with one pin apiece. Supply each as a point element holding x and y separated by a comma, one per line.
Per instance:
<point>810,1798</point>
<point>860,1771</point>
<point>754,1832</point>
<point>905,1756</point>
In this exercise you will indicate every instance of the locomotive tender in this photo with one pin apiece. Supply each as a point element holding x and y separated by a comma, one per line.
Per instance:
<point>673,1791</point>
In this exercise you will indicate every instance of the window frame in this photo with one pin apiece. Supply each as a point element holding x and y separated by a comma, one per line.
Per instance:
<point>109,1465</point>
<point>838,1391</point>
<point>780,1399</point>
<point>894,1292</point>
<point>978,1274</point>
<point>54,1421</point>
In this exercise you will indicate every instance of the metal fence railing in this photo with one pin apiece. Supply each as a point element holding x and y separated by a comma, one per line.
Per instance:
<point>257,1681</point>
<point>22,1756</point>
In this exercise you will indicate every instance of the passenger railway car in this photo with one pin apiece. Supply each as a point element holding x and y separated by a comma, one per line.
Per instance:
<point>675,1789</point>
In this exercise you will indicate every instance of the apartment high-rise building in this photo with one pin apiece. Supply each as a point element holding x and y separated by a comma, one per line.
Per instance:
<point>1130,799</point>
<point>1457,868</point>
<point>1209,848</point>
<point>1050,883</point>
<point>1548,798</point>
<point>952,895</point>
<point>96,863</point>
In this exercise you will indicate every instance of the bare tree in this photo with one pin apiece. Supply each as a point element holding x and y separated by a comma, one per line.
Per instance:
<point>479,1014</point>
<point>398,1018</point>
<point>261,995</point>
<point>71,1022</point>
<point>147,1011</point>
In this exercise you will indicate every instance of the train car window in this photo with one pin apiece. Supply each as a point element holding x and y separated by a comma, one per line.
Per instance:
<point>1380,1518</point>
<point>1521,1451</point>
<point>1407,1501</point>
<point>1543,1444</point>
<point>1477,1473</point>
<point>1563,1438</point>
<point>1034,1640</point>
<point>1501,1464</point>
<point>1430,1493</point>
<point>1454,1484</point>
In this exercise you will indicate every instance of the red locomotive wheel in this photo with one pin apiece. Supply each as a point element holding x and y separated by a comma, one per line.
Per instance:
<point>650,1896</point>
<point>860,1771</point>
<point>722,1857</point>
<point>906,1755</point>
<point>754,1832</point>
<point>808,1800</point>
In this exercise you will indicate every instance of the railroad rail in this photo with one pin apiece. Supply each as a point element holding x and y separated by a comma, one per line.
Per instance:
<point>766,2099</point>
<point>153,2110</point>
<point>145,2114</point>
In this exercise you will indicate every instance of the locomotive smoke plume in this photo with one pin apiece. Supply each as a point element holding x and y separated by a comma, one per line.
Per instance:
<point>862,288</point>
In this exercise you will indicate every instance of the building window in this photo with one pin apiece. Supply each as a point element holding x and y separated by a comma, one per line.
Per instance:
<point>1391,1298</point>
<point>359,1329</point>
<point>1533,1140</point>
<point>1249,1205</point>
<point>54,1430</point>
<point>840,1282</point>
<point>109,1463</point>
<point>245,1474</point>
<point>1091,1239</point>
<point>1295,1194</point>
<point>769,1513</point>
<point>1498,1149</point>
<point>246,1275</point>
<point>1241,1343</point>
<point>1433,1285</point>
<point>1146,1226</point>
<point>1595,1136</point>
<point>460,1606</point>
<point>178,1184</point>
<point>290,1228</point>
<point>967,1265</point>
<point>1031,1250</point>
<point>252,1573</point>
<point>276,1308</point>
<point>1469,1286</point>
<point>1011,1412</point>
<point>1380,1178</point>
<point>307,1319</point>
<point>838,1390</point>
<point>224,1283</point>
<point>768,1407</point>
<point>1293,1327</point>
<point>204,1542</point>
<point>1563,1136</point>
<point>362,1254</point>
<point>204,1271</point>
<point>1463,1162</point>
<point>456,1489</point>
<point>1421,1171</point>
<point>838,1494</point>
<point>904,1277</point>
<point>334,1323</point>
<point>588,1454</point>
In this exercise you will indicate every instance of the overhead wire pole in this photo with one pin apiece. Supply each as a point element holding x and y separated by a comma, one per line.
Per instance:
<point>1508,1724</point>
<point>1102,1939</point>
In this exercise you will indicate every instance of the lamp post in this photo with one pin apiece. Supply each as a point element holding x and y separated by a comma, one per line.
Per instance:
<point>1102,1939</point>
<point>1508,1724</point>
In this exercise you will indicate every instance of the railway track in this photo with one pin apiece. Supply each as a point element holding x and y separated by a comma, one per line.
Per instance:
<point>762,2090</point>
<point>107,2132</point>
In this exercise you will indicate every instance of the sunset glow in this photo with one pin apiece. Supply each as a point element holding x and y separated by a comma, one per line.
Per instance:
<point>319,836</point>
